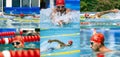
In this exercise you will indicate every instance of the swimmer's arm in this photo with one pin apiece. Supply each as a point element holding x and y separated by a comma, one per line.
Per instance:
<point>105,12</point>
<point>53,13</point>
<point>67,11</point>
<point>61,43</point>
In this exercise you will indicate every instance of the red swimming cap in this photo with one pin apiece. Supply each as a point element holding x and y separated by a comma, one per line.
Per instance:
<point>98,38</point>
<point>70,41</point>
<point>60,2</point>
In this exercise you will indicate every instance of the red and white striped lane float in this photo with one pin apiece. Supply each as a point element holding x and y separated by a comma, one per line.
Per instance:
<point>25,39</point>
<point>9,33</point>
<point>20,53</point>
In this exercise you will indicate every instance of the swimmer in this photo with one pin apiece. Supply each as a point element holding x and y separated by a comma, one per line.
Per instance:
<point>60,45</point>
<point>97,43</point>
<point>99,14</point>
<point>18,42</point>
<point>60,10</point>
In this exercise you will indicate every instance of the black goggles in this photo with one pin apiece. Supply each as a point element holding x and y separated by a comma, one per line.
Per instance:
<point>91,43</point>
<point>17,43</point>
<point>60,7</point>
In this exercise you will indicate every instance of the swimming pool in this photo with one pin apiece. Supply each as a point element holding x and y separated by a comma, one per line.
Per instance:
<point>111,20</point>
<point>112,42</point>
<point>45,20</point>
<point>16,22</point>
<point>63,35</point>
<point>28,45</point>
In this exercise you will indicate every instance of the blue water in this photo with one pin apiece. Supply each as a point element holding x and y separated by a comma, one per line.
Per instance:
<point>62,35</point>
<point>13,22</point>
<point>112,42</point>
<point>111,20</point>
<point>45,21</point>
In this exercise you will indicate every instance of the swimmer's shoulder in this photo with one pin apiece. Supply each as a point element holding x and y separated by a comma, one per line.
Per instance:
<point>94,17</point>
<point>67,10</point>
<point>54,10</point>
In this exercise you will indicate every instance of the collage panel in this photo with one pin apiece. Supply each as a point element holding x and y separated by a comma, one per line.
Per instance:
<point>19,28</point>
<point>99,28</point>
<point>59,28</point>
<point>100,14</point>
<point>100,42</point>
<point>22,42</point>
<point>60,43</point>
<point>59,14</point>
<point>19,13</point>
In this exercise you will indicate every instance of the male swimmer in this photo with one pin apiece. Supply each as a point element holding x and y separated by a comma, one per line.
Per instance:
<point>59,11</point>
<point>18,42</point>
<point>60,45</point>
<point>99,14</point>
<point>97,43</point>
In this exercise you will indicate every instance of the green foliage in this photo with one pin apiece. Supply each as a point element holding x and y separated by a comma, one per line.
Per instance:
<point>98,5</point>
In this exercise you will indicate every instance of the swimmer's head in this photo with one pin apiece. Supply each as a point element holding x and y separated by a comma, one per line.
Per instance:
<point>60,5</point>
<point>97,41</point>
<point>86,15</point>
<point>98,38</point>
<point>18,42</point>
<point>70,42</point>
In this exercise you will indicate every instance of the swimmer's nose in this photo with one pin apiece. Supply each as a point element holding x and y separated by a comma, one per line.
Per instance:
<point>90,46</point>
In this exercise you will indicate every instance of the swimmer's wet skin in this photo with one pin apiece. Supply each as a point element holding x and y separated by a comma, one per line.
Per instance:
<point>61,44</point>
<point>99,14</point>
<point>97,43</point>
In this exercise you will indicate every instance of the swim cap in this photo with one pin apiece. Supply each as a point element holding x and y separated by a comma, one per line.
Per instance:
<point>70,41</point>
<point>19,38</point>
<point>60,2</point>
<point>98,38</point>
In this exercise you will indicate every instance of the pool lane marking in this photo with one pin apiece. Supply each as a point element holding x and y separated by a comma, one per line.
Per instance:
<point>74,34</point>
<point>61,53</point>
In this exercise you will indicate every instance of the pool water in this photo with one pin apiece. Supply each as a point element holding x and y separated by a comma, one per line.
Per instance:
<point>112,42</point>
<point>16,22</point>
<point>45,20</point>
<point>111,20</point>
<point>63,35</point>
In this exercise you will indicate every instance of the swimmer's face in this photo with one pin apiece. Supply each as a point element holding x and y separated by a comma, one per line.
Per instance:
<point>95,46</point>
<point>60,7</point>
<point>87,15</point>
<point>17,44</point>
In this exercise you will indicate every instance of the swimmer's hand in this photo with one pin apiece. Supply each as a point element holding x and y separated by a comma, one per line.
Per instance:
<point>115,10</point>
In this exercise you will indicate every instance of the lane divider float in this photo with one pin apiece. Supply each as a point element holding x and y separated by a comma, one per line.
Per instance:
<point>25,39</point>
<point>20,53</point>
